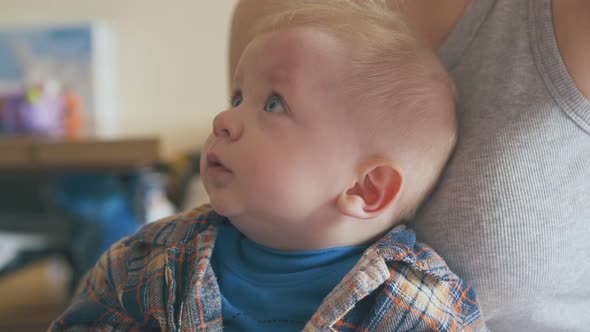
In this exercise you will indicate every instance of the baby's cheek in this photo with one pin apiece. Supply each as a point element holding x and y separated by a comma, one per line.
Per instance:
<point>297,191</point>
<point>269,183</point>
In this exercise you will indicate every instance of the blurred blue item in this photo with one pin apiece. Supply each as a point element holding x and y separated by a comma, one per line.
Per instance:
<point>104,199</point>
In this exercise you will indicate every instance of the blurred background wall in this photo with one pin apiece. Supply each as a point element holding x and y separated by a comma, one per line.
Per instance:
<point>170,60</point>
<point>59,210</point>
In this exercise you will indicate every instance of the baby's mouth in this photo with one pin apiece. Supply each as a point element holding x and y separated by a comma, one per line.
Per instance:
<point>213,162</point>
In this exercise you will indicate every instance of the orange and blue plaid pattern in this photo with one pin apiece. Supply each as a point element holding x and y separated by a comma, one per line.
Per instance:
<point>160,279</point>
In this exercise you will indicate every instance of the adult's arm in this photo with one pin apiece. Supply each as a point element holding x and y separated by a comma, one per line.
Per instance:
<point>571,22</point>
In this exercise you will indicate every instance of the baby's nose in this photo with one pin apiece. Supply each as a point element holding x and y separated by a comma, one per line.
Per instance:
<point>227,125</point>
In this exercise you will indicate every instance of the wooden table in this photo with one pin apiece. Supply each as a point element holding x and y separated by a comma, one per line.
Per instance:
<point>24,154</point>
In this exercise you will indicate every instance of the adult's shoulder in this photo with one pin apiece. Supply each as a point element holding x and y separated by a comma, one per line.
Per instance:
<point>571,22</point>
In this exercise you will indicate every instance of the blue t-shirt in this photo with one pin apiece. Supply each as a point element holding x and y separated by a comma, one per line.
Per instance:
<point>269,290</point>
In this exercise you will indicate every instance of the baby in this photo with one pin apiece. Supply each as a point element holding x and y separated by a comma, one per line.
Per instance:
<point>339,127</point>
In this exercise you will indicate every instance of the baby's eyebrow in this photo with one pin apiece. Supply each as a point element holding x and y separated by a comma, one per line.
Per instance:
<point>279,76</point>
<point>238,79</point>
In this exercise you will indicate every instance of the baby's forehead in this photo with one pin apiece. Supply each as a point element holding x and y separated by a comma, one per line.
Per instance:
<point>286,51</point>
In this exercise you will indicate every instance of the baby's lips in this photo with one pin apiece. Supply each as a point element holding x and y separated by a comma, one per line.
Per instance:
<point>214,161</point>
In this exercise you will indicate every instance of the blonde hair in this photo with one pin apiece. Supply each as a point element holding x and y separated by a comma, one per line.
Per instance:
<point>390,71</point>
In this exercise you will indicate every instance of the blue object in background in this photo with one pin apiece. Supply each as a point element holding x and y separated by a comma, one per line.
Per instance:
<point>103,199</point>
<point>69,42</point>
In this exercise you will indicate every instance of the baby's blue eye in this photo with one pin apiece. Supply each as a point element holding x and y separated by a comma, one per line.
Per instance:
<point>274,105</point>
<point>236,101</point>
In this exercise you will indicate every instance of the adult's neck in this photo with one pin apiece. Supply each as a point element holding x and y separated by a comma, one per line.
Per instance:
<point>432,20</point>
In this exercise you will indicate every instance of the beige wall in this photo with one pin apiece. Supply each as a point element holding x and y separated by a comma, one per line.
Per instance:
<point>171,59</point>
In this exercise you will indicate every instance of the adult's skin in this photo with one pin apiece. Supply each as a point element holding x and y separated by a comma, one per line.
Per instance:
<point>433,21</point>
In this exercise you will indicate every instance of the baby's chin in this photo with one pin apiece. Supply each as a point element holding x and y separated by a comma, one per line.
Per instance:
<point>225,208</point>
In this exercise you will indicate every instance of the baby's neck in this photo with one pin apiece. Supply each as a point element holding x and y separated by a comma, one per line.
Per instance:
<point>305,235</point>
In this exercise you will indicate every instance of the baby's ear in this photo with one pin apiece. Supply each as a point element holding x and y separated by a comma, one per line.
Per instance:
<point>374,191</point>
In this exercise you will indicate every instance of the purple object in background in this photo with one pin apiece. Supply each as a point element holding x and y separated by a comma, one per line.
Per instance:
<point>12,121</point>
<point>42,115</point>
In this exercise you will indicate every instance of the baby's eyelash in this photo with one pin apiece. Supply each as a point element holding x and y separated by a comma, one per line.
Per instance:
<point>235,95</point>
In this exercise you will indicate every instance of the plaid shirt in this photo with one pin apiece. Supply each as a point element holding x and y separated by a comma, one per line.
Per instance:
<point>161,279</point>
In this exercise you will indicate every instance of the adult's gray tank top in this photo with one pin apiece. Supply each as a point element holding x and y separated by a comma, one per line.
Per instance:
<point>512,212</point>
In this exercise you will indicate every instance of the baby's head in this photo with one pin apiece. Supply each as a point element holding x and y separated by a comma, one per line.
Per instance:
<point>340,125</point>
